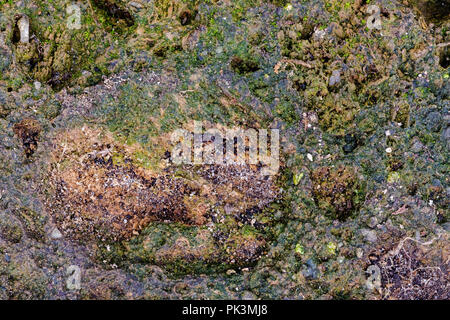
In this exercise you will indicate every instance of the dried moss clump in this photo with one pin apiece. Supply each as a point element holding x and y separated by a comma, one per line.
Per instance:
<point>337,191</point>
<point>244,249</point>
<point>244,65</point>
<point>433,10</point>
<point>115,12</point>
<point>28,131</point>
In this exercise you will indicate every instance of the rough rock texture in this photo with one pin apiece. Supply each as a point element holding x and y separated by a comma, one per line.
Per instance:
<point>358,210</point>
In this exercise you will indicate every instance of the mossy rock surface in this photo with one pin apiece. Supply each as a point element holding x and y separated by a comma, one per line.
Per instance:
<point>87,177</point>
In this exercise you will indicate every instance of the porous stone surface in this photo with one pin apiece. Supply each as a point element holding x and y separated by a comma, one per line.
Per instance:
<point>90,98</point>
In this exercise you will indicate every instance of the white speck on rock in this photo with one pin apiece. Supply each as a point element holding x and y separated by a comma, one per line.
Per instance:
<point>56,234</point>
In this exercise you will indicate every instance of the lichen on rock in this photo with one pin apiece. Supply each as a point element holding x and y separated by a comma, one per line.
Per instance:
<point>337,191</point>
<point>100,194</point>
